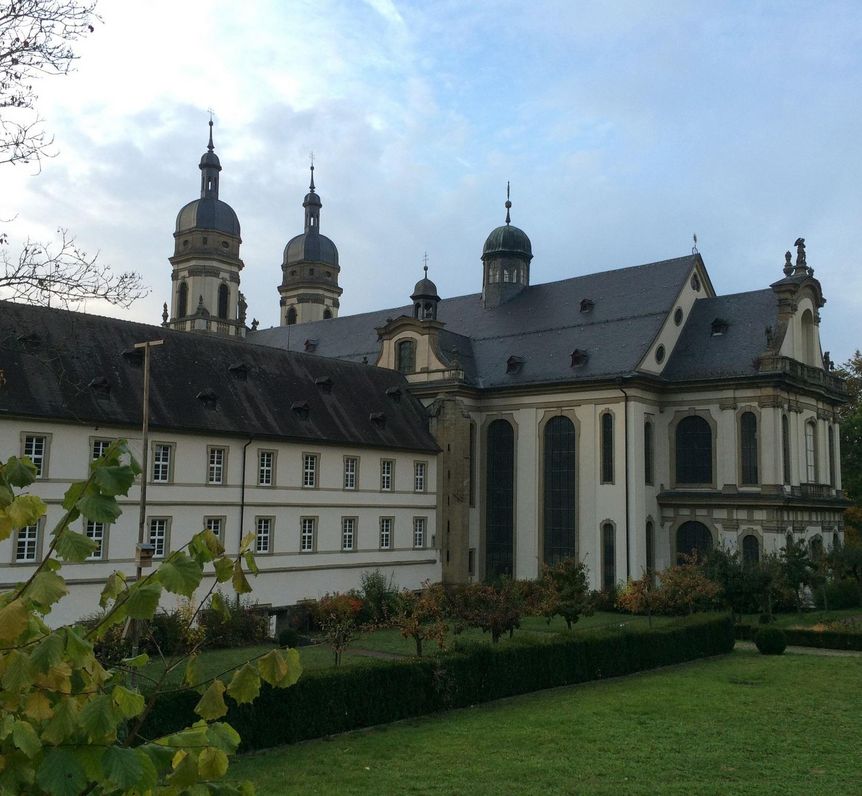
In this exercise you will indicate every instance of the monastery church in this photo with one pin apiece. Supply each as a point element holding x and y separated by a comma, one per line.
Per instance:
<point>624,417</point>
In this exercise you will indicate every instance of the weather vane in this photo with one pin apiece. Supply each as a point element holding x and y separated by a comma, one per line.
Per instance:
<point>425,261</point>
<point>694,248</point>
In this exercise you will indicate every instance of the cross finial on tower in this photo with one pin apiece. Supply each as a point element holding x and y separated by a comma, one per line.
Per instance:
<point>694,247</point>
<point>508,204</point>
<point>210,146</point>
<point>311,158</point>
<point>425,264</point>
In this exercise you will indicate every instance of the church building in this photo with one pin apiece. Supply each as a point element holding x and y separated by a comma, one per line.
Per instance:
<point>624,417</point>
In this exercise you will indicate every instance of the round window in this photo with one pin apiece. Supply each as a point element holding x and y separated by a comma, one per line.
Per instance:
<point>659,354</point>
<point>225,244</point>
<point>677,316</point>
<point>695,283</point>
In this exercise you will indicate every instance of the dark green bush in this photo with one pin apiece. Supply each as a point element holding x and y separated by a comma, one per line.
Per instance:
<point>288,637</point>
<point>379,598</point>
<point>245,624</point>
<point>839,594</point>
<point>335,700</point>
<point>770,640</point>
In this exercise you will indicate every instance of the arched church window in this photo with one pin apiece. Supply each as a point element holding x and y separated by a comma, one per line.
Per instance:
<point>609,573</point>
<point>692,538</point>
<point>405,355</point>
<point>291,316</point>
<point>499,500</point>
<point>327,314</point>
<point>693,451</point>
<point>750,549</point>
<point>607,427</point>
<point>748,447</point>
<point>560,456</point>
<point>183,300</point>
<point>811,452</point>
<point>222,300</point>
<point>785,448</point>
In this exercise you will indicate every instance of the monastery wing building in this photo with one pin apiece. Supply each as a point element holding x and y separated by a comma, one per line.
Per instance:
<point>624,417</point>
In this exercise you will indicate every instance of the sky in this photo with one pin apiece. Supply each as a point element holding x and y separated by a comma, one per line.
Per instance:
<point>624,128</point>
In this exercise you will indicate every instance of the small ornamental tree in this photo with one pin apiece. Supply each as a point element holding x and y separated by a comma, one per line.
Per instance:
<point>567,591</point>
<point>421,615</point>
<point>337,615</point>
<point>71,725</point>
<point>639,596</point>
<point>797,567</point>
<point>493,609</point>
<point>684,589</point>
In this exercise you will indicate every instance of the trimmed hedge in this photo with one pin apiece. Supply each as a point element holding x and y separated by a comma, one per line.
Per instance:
<point>800,637</point>
<point>770,640</point>
<point>336,700</point>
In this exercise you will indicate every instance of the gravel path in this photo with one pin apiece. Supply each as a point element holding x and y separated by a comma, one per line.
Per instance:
<point>749,645</point>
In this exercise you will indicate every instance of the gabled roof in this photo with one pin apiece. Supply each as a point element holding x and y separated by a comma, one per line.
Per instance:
<point>69,366</point>
<point>699,354</point>
<point>543,325</point>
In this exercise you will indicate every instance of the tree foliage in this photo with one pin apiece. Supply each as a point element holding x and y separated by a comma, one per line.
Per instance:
<point>422,616</point>
<point>494,609</point>
<point>70,724</point>
<point>851,432</point>
<point>337,616</point>
<point>567,591</point>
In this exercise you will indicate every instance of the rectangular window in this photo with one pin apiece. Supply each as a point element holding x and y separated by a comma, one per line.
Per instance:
<point>348,532</point>
<point>159,536</point>
<point>215,467</point>
<point>648,453</point>
<point>96,532</point>
<point>263,539</point>
<point>811,453</point>
<point>307,533</point>
<point>265,468</point>
<point>309,470</point>
<point>216,525</point>
<point>385,533</point>
<point>419,476</point>
<point>350,467</point>
<point>35,449</point>
<point>386,475</point>
<point>419,526</point>
<point>27,544</point>
<point>99,446</point>
<point>161,463</point>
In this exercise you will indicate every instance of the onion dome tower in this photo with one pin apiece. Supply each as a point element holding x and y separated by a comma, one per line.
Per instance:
<point>206,262</point>
<point>506,262</point>
<point>309,287</point>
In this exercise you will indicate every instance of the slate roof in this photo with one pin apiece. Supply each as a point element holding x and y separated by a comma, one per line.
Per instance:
<point>700,355</point>
<point>57,364</point>
<point>542,325</point>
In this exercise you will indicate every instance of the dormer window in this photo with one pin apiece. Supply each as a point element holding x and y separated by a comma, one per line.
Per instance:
<point>579,358</point>
<point>719,327</point>
<point>207,397</point>
<point>310,344</point>
<point>587,305</point>
<point>324,384</point>
<point>300,408</point>
<point>239,371</point>
<point>514,364</point>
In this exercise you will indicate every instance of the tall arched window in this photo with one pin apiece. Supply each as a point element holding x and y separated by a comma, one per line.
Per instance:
<point>830,438</point>
<point>750,549</point>
<point>748,447</point>
<point>609,566</point>
<point>291,316</point>
<point>693,451</point>
<point>650,547</point>
<point>559,487</point>
<point>183,301</point>
<point>692,537</point>
<point>648,453</point>
<point>500,500</point>
<point>785,448</point>
<point>811,452</point>
<point>607,448</point>
<point>222,300</point>
<point>405,354</point>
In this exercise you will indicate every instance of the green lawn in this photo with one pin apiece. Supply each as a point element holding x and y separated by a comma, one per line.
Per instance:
<point>740,724</point>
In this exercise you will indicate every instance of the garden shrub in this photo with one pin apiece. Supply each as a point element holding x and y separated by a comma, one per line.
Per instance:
<point>329,701</point>
<point>289,637</point>
<point>840,594</point>
<point>238,625</point>
<point>379,597</point>
<point>770,640</point>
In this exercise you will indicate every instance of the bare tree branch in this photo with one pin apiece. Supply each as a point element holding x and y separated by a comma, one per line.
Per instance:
<point>64,274</point>
<point>36,39</point>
